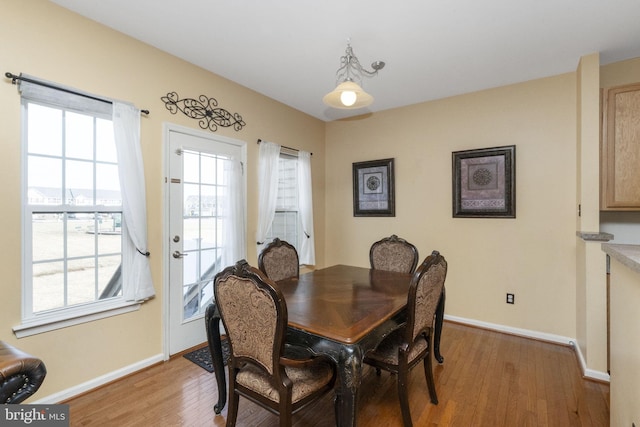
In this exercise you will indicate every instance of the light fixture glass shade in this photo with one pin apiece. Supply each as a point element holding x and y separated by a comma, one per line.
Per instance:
<point>335,98</point>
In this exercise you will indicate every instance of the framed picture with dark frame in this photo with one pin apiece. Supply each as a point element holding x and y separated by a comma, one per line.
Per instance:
<point>373,188</point>
<point>484,183</point>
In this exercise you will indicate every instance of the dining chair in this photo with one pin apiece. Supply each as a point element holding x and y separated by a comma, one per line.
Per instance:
<point>254,314</point>
<point>279,260</point>
<point>411,343</point>
<point>393,254</point>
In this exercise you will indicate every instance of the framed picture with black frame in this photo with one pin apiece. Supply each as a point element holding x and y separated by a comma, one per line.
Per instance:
<point>373,188</point>
<point>484,183</point>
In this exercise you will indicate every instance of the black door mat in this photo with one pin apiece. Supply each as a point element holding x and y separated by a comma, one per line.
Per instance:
<point>202,356</point>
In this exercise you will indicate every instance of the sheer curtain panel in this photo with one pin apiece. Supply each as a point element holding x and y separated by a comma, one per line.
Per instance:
<point>235,247</point>
<point>268,159</point>
<point>305,200</point>
<point>135,261</point>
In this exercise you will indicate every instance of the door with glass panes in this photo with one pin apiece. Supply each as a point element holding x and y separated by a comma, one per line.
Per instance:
<point>196,229</point>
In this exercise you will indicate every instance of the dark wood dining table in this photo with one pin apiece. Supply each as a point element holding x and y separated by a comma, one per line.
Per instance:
<point>341,312</point>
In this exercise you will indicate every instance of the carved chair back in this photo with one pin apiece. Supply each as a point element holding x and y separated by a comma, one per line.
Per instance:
<point>393,254</point>
<point>279,260</point>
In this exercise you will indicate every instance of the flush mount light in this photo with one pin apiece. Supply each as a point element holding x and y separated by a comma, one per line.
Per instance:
<point>348,93</point>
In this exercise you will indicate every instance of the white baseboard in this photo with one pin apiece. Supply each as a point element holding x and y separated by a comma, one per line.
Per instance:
<point>112,376</point>
<point>99,381</point>
<point>527,333</point>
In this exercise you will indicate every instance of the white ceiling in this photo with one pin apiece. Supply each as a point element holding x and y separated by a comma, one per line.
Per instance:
<point>289,50</point>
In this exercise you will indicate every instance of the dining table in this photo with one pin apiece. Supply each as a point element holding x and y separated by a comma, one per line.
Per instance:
<point>341,312</point>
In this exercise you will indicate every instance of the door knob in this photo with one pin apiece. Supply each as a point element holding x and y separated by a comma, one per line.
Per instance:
<point>178,254</point>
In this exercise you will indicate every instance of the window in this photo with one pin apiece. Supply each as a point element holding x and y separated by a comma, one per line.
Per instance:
<point>285,202</point>
<point>74,234</point>
<point>73,214</point>
<point>286,223</point>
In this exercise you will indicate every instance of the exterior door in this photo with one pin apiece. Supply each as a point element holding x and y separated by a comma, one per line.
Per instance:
<point>195,232</point>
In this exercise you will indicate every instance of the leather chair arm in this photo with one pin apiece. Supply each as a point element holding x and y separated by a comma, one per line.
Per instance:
<point>21,374</point>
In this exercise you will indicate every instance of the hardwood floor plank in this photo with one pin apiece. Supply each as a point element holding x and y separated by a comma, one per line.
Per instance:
<point>487,379</point>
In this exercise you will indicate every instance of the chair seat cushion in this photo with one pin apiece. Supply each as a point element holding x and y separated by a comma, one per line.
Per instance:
<point>305,380</point>
<point>387,350</point>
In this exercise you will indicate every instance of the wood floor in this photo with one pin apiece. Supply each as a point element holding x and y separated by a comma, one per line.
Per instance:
<point>487,379</point>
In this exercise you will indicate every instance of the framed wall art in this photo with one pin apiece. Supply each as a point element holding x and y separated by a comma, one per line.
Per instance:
<point>373,188</point>
<point>484,183</point>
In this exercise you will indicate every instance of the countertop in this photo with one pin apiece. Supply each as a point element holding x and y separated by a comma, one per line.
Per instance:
<point>628,255</point>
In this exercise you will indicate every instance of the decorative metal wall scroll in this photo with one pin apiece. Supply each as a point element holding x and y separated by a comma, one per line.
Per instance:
<point>205,110</point>
<point>484,183</point>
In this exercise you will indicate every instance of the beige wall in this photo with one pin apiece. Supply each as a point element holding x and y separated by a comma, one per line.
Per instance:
<point>620,73</point>
<point>54,44</point>
<point>532,255</point>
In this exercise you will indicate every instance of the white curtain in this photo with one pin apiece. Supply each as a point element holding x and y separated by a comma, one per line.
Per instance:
<point>268,160</point>
<point>135,258</point>
<point>305,200</point>
<point>234,248</point>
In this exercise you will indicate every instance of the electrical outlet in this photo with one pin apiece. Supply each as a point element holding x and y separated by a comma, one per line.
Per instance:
<point>511,299</point>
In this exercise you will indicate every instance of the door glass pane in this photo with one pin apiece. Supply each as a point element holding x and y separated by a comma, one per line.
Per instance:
<point>191,167</point>
<point>201,230</point>
<point>209,236</point>
<point>208,165</point>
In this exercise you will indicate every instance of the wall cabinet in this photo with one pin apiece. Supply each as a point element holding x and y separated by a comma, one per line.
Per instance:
<point>620,149</point>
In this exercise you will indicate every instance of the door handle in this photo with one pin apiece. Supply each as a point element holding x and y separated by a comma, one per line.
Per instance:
<point>178,254</point>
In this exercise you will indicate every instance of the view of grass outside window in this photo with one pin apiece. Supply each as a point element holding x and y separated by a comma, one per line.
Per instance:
<point>73,212</point>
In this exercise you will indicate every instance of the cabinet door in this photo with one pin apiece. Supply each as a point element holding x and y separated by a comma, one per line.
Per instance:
<point>621,149</point>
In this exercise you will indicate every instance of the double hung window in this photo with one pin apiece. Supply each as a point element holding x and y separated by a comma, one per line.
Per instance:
<point>74,233</point>
<point>73,214</point>
<point>285,201</point>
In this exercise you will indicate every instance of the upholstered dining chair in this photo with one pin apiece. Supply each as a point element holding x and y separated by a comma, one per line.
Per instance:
<point>405,347</point>
<point>279,260</point>
<point>254,314</point>
<point>393,254</point>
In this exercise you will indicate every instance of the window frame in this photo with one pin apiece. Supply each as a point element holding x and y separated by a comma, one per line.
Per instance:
<point>68,315</point>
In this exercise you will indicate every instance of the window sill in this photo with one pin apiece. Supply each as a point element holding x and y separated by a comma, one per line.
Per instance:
<point>51,323</point>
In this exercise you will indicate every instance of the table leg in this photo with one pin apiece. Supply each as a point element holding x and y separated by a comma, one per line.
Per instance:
<point>349,372</point>
<point>212,322</point>
<point>438,328</point>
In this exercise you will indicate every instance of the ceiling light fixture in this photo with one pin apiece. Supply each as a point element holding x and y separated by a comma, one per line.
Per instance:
<point>348,93</point>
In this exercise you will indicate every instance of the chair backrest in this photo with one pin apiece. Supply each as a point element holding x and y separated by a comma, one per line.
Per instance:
<point>425,290</point>
<point>393,254</point>
<point>279,260</point>
<point>254,315</point>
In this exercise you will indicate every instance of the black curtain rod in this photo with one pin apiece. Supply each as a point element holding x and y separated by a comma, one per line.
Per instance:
<point>284,146</point>
<point>13,78</point>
